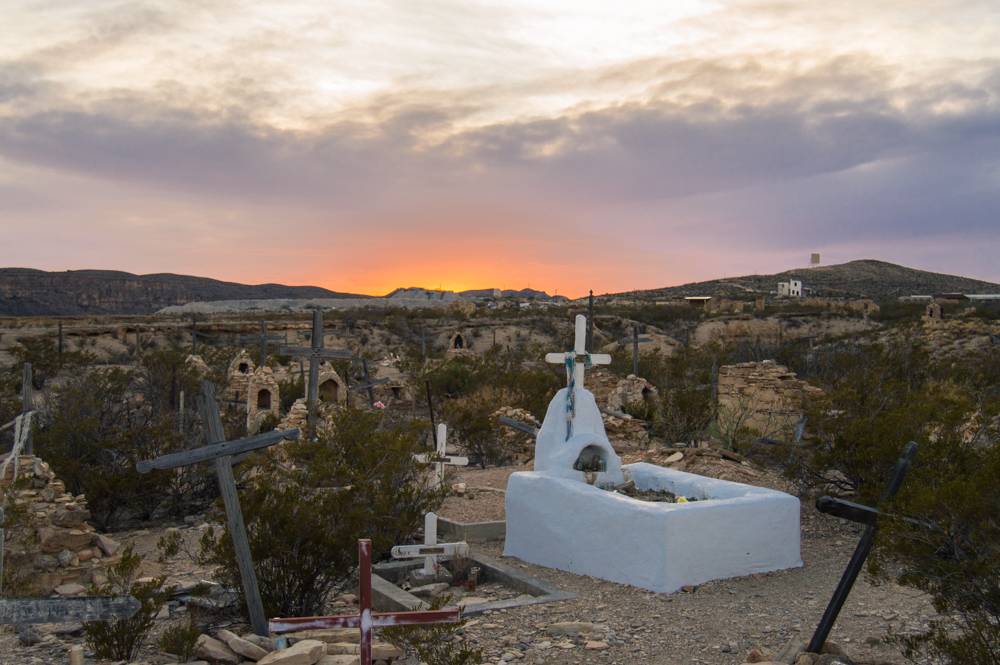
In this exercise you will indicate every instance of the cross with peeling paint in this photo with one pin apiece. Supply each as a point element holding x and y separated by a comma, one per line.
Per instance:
<point>365,619</point>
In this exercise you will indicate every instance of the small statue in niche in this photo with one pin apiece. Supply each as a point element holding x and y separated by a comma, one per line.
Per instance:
<point>595,464</point>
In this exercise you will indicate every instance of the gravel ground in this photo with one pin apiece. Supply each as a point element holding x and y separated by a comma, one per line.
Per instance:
<point>718,624</point>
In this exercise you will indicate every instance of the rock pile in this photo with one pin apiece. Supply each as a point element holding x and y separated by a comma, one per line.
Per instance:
<point>629,390</point>
<point>763,396</point>
<point>624,434</point>
<point>58,550</point>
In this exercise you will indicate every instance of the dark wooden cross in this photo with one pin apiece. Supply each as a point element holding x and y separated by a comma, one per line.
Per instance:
<point>866,516</point>
<point>195,334</point>
<point>369,384</point>
<point>365,619</point>
<point>26,401</point>
<point>636,341</point>
<point>510,422</point>
<point>222,452</point>
<point>62,610</point>
<point>590,324</point>
<point>316,354</point>
<point>263,339</point>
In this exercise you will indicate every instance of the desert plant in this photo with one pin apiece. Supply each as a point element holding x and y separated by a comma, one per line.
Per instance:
<point>306,505</point>
<point>93,432</point>
<point>121,639</point>
<point>434,643</point>
<point>180,640</point>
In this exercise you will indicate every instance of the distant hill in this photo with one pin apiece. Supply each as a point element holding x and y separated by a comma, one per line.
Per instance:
<point>865,278</point>
<point>27,292</point>
<point>523,294</point>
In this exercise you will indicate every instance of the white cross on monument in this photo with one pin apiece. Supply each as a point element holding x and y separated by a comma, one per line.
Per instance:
<point>576,361</point>
<point>430,550</point>
<point>440,457</point>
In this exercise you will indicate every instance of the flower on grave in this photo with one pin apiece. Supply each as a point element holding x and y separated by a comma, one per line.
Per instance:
<point>379,405</point>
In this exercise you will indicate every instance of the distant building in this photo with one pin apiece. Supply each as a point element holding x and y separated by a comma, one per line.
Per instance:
<point>790,288</point>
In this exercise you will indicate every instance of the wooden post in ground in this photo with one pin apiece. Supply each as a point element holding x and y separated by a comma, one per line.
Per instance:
<point>27,399</point>
<point>590,325</point>
<point>60,338</point>
<point>222,452</point>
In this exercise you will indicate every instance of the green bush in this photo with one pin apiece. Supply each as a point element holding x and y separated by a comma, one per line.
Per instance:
<point>93,432</point>
<point>121,639</point>
<point>434,644</point>
<point>181,640</point>
<point>303,524</point>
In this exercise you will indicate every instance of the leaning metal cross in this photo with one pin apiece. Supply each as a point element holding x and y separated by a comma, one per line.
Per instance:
<point>441,458</point>
<point>863,549</point>
<point>576,361</point>
<point>365,619</point>
<point>222,451</point>
<point>636,340</point>
<point>316,354</point>
<point>431,549</point>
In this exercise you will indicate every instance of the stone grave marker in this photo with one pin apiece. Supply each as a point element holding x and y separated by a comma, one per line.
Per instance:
<point>62,610</point>
<point>223,452</point>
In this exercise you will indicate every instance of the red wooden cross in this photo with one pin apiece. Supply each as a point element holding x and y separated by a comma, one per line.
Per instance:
<point>365,619</point>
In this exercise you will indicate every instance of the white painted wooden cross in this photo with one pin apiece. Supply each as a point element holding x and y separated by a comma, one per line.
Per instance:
<point>576,362</point>
<point>440,458</point>
<point>430,550</point>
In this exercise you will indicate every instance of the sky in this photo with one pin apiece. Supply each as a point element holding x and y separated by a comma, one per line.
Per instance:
<point>565,145</point>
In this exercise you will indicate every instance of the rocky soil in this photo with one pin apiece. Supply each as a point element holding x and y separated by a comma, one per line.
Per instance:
<point>718,623</point>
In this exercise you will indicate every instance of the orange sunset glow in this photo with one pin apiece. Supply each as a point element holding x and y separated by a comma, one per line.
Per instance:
<point>364,146</point>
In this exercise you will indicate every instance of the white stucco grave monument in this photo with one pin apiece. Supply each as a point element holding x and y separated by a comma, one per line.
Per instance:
<point>564,515</point>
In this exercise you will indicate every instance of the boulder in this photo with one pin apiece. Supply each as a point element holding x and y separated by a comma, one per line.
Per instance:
<point>214,651</point>
<point>306,652</point>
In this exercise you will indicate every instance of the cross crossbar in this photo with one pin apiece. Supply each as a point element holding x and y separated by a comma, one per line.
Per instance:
<point>212,452</point>
<point>417,551</point>
<point>372,384</point>
<point>365,619</point>
<point>510,422</point>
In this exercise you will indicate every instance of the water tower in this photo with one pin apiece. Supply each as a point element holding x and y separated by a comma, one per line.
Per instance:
<point>814,261</point>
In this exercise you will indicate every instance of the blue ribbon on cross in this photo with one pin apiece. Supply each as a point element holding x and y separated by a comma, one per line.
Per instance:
<point>571,390</point>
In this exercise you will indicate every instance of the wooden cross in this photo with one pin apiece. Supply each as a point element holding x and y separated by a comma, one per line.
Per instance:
<point>863,549</point>
<point>316,354</point>
<point>365,619</point>
<point>369,384</point>
<point>27,399</point>
<point>263,339</point>
<point>62,610</point>
<point>441,458</point>
<point>195,334</point>
<point>430,550</point>
<point>221,451</point>
<point>636,340</point>
<point>510,422</point>
<point>576,361</point>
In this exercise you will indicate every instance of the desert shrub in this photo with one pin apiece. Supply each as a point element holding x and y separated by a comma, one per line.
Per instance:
<point>46,361</point>
<point>950,548</point>
<point>17,578</point>
<point>93,432</point>
<point>166,373</point>
<point>303,523</point>
<point>687,402</point>
<point>477,431</point>
<point>180,640</point>
<point>430,643</point>
<point>121,639</point>
<point>290,390</point>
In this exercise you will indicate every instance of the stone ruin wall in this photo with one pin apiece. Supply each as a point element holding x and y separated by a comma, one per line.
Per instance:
<point>59,551</point>
<point>763,396</point>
